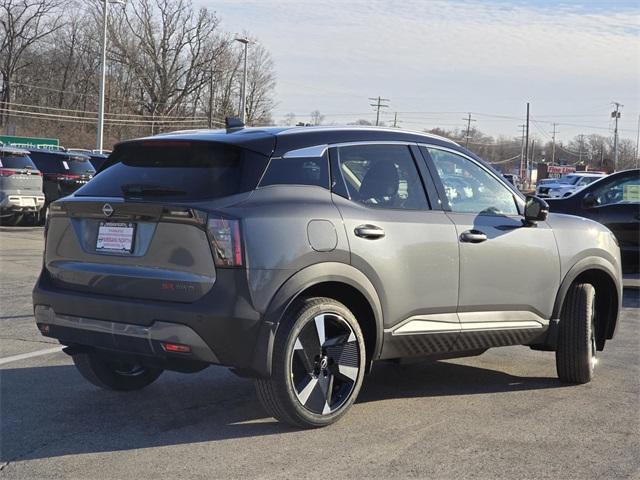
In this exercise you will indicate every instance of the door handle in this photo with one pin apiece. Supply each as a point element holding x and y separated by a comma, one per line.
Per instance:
<point>370,232</point>
<point>473,236</point>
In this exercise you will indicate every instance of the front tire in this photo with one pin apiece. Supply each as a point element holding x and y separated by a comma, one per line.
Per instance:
<point>114,375</point>
<point>318,365</point>
<point>576,349</point>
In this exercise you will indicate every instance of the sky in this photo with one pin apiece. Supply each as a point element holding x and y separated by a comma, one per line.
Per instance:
<point>437,60</point>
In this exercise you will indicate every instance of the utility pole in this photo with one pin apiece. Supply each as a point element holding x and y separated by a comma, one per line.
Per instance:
<point>530,163</point>
<point>469,120</point>
<point>615,115</point>
<point>211,97</point>
<point>580,148</point>
<point>526,141</point>
<point>378,105</point>
<point>395,120</point>
<point>521,168</point>
<point>638,143</point>
<point>553,144</point>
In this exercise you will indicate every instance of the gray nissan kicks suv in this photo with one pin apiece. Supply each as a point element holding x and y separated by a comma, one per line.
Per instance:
<point>300,256</point>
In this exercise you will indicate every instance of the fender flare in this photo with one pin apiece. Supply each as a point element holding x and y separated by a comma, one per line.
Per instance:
<point>291,289</point>
<point>583,265</point>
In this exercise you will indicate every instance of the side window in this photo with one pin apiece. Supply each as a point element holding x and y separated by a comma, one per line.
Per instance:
<point>470,188</point>
<point>624,190</point>
<point>297,171</point>
<point>382,176</point>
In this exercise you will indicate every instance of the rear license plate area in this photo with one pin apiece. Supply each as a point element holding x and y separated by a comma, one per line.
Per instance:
<point>116,237</point>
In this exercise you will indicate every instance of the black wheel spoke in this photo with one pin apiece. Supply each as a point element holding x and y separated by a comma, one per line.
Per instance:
<point>306,356</point>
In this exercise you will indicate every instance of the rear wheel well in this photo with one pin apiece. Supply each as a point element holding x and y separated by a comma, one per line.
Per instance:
<point>606,302</point>
<point>354,301</point>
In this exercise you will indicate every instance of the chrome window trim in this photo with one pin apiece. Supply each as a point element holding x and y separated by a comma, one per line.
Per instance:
<point>315,151</point>
<point>516,194</point>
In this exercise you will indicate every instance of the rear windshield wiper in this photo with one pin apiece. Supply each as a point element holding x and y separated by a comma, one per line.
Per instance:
<point>139,189</point>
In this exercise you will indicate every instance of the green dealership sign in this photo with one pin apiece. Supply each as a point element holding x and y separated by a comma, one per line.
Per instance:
<point>30,142</point>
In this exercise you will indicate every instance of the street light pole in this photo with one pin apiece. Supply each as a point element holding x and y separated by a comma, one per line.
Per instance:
<point>103,71</point>
<point>105,12</point>
<point>243,94</point>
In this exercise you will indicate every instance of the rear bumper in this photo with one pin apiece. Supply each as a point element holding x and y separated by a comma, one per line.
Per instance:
<point>22,203</point>
<point>221,328</point>
<point>124,337</point>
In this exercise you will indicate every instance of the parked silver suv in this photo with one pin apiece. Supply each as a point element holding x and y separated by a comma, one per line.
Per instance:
<point>21,192</point>
<point>301,256</point>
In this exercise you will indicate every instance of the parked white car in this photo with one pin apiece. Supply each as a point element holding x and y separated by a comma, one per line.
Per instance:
<point>567,185</point>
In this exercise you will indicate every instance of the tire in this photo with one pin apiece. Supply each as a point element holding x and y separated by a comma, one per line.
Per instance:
<point>11,220</point>
<point>576,349</point>
<point>314,382</point>
<point>42,215</point>
<point>112,375</point>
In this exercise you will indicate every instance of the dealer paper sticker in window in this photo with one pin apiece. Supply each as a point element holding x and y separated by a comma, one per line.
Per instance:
<point>631,193</point>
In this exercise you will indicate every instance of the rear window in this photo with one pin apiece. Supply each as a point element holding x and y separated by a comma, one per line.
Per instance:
<point>16,161</point>
<point>180,170</point>
<point>60,163</point>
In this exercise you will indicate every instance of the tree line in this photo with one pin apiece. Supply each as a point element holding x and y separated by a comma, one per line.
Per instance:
<point>169,66</point>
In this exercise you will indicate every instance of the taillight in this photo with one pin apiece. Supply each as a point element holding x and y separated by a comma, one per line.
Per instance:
<point>6,172</point>
<point>224,235</point>
<point>61,176</point>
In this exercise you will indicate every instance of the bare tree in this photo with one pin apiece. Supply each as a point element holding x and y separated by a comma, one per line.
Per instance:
<point>316,117</point>
<point>169,49</point>
<point>22,24</point>
<point>290,119</point>
<point>260,85</point>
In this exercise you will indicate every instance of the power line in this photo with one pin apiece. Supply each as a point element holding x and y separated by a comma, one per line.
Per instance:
<point>173,117</point>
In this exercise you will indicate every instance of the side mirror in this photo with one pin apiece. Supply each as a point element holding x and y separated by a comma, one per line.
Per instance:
<point>590,200</point>
<point>535,210</point>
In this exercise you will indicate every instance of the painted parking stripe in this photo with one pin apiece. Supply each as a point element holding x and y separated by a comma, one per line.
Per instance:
<point>23,356</point>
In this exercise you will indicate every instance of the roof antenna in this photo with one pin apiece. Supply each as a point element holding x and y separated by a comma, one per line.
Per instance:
<point>233,123</point>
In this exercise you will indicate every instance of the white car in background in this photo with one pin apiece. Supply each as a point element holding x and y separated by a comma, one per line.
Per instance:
<point>567,185</point>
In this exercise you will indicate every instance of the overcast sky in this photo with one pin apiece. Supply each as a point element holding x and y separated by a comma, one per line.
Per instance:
<point>436,60</point>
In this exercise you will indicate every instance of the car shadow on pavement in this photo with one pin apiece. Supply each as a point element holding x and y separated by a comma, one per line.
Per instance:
<point>51,411</point>
<point>433,379</point>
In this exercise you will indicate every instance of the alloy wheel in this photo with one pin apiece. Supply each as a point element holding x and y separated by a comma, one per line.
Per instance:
<point>325,363</point>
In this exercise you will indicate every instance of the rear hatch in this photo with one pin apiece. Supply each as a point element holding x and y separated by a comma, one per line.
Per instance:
<point>147,226</point>
<point>19,175</point>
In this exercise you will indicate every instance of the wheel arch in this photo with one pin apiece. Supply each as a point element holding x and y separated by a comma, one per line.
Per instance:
<point>600,273</point>
<point>340,281</point>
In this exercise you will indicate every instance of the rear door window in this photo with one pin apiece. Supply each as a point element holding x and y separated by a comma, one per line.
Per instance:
<point>178,169</point>
<point>62,163</point>
<point>381,176</point>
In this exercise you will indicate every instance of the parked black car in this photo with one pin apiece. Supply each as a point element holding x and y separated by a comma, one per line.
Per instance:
<point>97,159</point>
<point>615,202</point>
<point>63,173</point>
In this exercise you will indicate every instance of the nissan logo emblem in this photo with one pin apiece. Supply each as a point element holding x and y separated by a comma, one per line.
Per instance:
<point>107,210</point>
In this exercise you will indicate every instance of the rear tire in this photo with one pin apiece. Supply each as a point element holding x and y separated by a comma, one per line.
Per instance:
<point>11,220</point>
<point>318,365</point>
<point>576,349</point>
<point>114,375</point>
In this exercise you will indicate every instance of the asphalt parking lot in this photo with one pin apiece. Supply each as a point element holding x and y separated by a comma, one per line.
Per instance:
<point>500,415</point>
